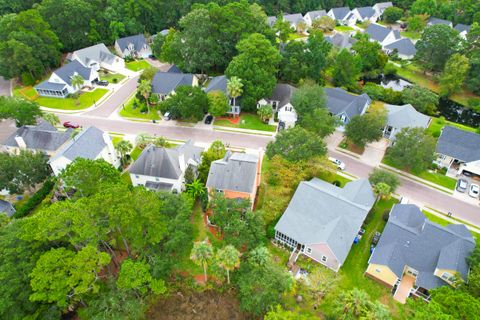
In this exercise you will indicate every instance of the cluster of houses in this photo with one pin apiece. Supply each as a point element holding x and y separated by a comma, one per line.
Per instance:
<point>462,29</point>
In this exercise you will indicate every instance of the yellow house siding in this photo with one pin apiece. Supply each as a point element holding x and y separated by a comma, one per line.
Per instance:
<point>439,272</point>
<point>385,275</point>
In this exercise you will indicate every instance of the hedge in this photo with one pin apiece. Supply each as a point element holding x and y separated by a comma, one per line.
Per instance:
<point>35,200</point>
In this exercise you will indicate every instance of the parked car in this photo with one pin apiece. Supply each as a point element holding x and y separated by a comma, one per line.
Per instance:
<point>208,119</point>
<point>474,190</point>
<point>68,124</point>
<point>102,83</point>
<point>375,238</point>
<point>340,165</point>
<point>167,116</point>
<point>462,185</point>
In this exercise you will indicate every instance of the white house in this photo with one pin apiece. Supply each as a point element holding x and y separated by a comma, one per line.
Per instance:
<point>404,48</point>
<point>462,29</point>
<point>280,102</point>
<point>164,169</point>
<point>380,7</point>
<point>400,117</point>
<point>343,16</point>
<point>364,14</point>
<point>219,83</point>
<point>92,143</point>
<point>98,56</point>
<point>294,19</point>
<point>133,46</point>
<point>59,85</point>
<point>382,34</point>
<point>311,16</point>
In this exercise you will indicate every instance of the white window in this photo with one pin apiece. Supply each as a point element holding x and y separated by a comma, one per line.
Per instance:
<point>137,177</point>
<point>324,259</point>
<point>219,190</point>
<point>309,250</point>
<point>447,276</point>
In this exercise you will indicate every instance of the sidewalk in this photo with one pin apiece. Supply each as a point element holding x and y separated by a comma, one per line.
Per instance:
<point>248,131</point>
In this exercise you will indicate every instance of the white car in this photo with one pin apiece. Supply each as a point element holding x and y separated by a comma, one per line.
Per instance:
<point>340,165</point>
<point>474,190</point>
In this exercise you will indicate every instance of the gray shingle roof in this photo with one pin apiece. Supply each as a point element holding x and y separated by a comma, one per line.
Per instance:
<point>159,186</point>
<point>46,85</point>
<point>341,40</point>
<point>320,212</point>
<point>405,117</point>
<point>88,144</point>
<point>316,14</point>
<point>282,93</point>
<point>409,239</point>
<point>7,208</point>
<point>340,101</point>
<point>459,144</point>
<point>271,20</point>
<point>217,84</point>
<point>43,137</point>
<point>138,41</point>
<point>174,69</point>
<point>67,71</point>
<point>366,12</point>
<point>377,32</point>
<point>98,53</point>
<point>462,27</point>
<point>235,172</point>
<point>340,13</point>
<point>404,46</point>
<point>166,82</point>
<point>434,21</point>
<point>381,6</point>
<point>293,18</point>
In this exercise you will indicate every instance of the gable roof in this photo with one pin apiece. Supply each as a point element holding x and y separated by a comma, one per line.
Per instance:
<point>67,71</point>
<point>462,27</point>
<point>434,21</point>
<point>341,40</point>
<point>138,41</point>
<point>381,6</point>
<point>320,212</point>
<point>459,144</point>
<point>404,46</point>
<point>271,20</point>
<point>366,12</point>
<point>217,84</point>
<point>313,15</point>
<point>165,163</point>
<point>340,101</point>
<point>340,13</point>
<point>235,172</point>
<point>378,32</point>
<point>166,82</point>
<point>88,144</point>
<point>293,18</point>
<point>410,239</point>
<point>405,117</point>
<point>174,69</point>
<point>7,208</point>
<point>98,53</point>
<point>282,93</point>
<point>42,137</point>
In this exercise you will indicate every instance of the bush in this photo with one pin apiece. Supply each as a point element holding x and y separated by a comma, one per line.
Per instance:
<point>389,70</point>
<point>386,214</point>
<point>27,79</point>
<point>337,183</point>
<point>114,80</point>
<point>35,200</point>
<point>377,92</point>
<point>143,109</point>
<point>441,120</point>
<point>436,133</point>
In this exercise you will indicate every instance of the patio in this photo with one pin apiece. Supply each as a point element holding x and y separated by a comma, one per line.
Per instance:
<point>404,288</point>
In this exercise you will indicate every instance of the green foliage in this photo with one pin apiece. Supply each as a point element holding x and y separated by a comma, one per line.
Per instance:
<point>370,53</point>
<point>188,103</point>
<point>454,74</point>
<point>366,128</point>
<point>265,112</point>
<point>282,28</point>
<point>124,147</point>
<point>280,314</point>
<point>307,98</point>
<point>377,92</point>
<point>356,304</point>
<point>196,188</point>
<point>317,50</point>
<point>234,88</point>
<point>23,111</point>
<point>324,24</point>
<point>416,23</point>
<point>35,200</point>
<point>392,14</point>
<point>256,64</point>
<point>202,254</point>
<point>147,74</point>
<point>414,149</point>
<point>473,55</point>
<point>382,176</point>
<point>422,99</point>
<point>217,103</point>
<point>157,45</point>
<point>228,258</point>
<point>296,144</point>
<point>135,275</point>
<point>23,171</point>
<point>347,70</point>
<point>215,151</point>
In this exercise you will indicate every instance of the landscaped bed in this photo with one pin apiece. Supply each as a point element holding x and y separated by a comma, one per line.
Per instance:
<point>137,65</point>
<point>247,121</point>
<point>111,77</point>
<point>348,145</point>
<point>129,111</point>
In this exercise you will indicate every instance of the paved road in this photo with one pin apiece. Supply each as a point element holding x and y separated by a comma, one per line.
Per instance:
<point>4,87</point>
<point>171,131</point>
<point>418,193</point>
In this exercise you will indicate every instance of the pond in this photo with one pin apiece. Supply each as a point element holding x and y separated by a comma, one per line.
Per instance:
<point>447,108</point>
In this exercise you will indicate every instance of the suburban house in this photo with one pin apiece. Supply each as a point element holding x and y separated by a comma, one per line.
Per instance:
<point>462,29</point>
<point>382,34</point>
<point>237,175</point>
<point>380,7</point>
<point>311,16</point>
<point>404,48</point>
<point>98,56</point>
<point>271,21</point>
<point>415,255</point>
<point>219,83</point>
<point>433,21</point>
<point>59,85</point>
<point>133,46</point>
<point>343,15</point>
<point>92,143</point>
<point>165,83</point>
<point>322,220</point>
<point>345,105</point>
<point>7,208</point>
<point>280,102</point>
<point>165,32</point>
<point>38,138</point>
<point>400,117</point>
<point>341,40</point>
<point>294,19</point>
<point>458,151</point>
<point>364,14</point>
<point>159,168</point>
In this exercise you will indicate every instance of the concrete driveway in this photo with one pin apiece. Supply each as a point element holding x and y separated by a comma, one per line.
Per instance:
<point>5,87</point>
<point>374,152</point>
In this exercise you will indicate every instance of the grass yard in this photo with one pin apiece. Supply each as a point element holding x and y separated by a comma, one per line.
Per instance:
<point>434,177</point>
<point>294,36</point>
<point>437,124</point>
<point>411,34</point>
<point>439,220</point>
<point>116,140</point>
<point>129,112</point>
<point>135,153</point>
<point>126,177</point>
<point>25,92</point>
<point>137,65</point>
<point>247,121</point>
<point>110,77</point>
<point>344,28</point>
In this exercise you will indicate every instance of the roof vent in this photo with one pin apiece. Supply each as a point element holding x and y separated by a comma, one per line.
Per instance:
<point>407,243</point>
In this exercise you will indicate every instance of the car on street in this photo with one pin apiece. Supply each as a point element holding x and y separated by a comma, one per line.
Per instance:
<point>103,83</point>
<point>208,119</point>
<point>167,116</point>
<point>462,185</point>
<point>474,190</point>
<point>68,124</point>
<point>340,165</point>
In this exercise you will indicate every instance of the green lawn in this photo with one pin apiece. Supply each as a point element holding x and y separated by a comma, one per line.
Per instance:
<point>411,34</point>
<point>137,65</point>
<point>437,124</point>
<point>344,28</point>
<point>435,177</point>
<point>126,177</point>
<point>26,92</point>
<point>85,100</point>
<point>135,153</point>
<point>110,77</point>
<point>439,220</point>
<point>116,140</point>
<point>294,36</point>
<point>129,112</point>
<point>247,121</point>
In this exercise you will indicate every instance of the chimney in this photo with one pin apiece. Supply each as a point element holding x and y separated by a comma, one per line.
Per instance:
<point>21,143</point>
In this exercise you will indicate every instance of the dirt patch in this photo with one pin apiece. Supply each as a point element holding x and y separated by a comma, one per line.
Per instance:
<point>207,305</point>
<point>232,120</point>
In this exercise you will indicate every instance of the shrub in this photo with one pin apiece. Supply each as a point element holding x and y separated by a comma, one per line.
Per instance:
<point>436,133</point>
<point>337,183</point>
<point>143,109</point>
<point>27,79</point>
<point>114,80</point>
<point>441,120</point>
<point>35,200</point>
<point>386,214</point>
<point>389,70</point>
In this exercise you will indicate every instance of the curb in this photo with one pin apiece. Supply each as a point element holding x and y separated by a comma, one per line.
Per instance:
<point>352,154</point>
<point>248,131</point>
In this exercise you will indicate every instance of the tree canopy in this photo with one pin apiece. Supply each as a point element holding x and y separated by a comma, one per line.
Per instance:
<point>188,103</point>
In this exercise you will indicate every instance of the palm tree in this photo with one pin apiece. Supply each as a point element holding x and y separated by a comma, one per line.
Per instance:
<point>259,256</point>
<point>377,311</point>
<point>201,255</point>
<point>124,147</point>
<point>77,83</point>
<point>382,190</point>
<point>265,112</point>
<point>196,188</point>
<point>228,259</point>
<point>145,89</point>
<point>51,118</point>
<point>353,303</point>
<point>234,88</point>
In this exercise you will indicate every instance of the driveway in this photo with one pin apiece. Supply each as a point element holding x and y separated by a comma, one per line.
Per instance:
<point>374,152</point>
<point>5,87</point>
